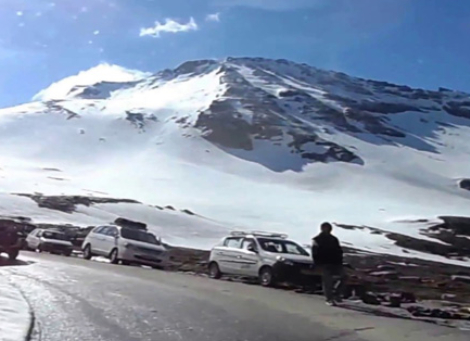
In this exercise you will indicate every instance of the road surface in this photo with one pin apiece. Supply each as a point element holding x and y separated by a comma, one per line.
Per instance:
<point>75,299</point>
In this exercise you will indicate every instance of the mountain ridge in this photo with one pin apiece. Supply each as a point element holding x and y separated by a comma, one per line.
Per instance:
<point>250,142</point>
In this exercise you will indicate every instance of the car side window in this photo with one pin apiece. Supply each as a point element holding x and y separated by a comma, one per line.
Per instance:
<point>111,231</point>
<point>99,229</point>
<point>247,242</point>
<point>105,230</point>
<point>233,243</point>
<point>39,233</point>
<point>293,249</point>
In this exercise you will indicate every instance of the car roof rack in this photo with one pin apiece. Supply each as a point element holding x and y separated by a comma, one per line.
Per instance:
<point>259,234</point>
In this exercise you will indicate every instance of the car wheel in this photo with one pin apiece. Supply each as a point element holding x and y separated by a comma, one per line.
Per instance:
<point>158,267</point>
<point>13,254</point>
<point>67,254</point>
<point>125,262</point>
<point>114,256</point>
<point>87,254</point>
<point>266,277</point>
<point>214,271</point>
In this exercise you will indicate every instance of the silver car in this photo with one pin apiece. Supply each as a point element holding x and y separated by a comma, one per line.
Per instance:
<point>270,257</point>
<point>49,240</point>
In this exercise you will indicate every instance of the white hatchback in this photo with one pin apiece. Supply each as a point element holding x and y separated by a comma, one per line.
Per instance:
<point>125,245</point>
<point>49,240</point>
<point>270,257</point>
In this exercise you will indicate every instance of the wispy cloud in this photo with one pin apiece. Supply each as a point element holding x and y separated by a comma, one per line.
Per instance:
<point>170,26</point>
<point>213,17</point>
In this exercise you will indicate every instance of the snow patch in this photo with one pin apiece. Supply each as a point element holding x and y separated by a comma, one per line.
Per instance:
<point>15,316</point>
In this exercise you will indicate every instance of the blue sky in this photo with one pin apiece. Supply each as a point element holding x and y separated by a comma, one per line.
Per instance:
<point>422,43</point>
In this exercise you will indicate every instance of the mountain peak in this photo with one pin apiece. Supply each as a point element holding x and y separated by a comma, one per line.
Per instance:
<point>103,72</point>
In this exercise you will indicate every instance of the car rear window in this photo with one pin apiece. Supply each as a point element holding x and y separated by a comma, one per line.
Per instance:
<point>140,236</point>
<point>54,235</point>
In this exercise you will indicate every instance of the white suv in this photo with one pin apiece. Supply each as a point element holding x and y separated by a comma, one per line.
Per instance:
<point>270,257</point>
<point>125,245</point>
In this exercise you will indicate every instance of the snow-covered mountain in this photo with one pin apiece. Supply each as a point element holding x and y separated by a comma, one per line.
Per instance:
<point>244,142</point>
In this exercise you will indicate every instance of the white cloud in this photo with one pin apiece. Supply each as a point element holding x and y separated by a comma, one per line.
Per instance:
<point>170,26</point>
<point>213,17</point>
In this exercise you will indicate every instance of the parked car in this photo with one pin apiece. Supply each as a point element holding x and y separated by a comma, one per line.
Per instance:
<point>10,242</point>
<point>44,240</point>
<point>270,257</point>
<point>125,245</point>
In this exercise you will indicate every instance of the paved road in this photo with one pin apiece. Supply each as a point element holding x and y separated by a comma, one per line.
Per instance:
<point>74,299</point>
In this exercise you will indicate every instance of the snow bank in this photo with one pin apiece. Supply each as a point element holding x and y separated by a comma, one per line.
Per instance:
<point>15,315</point>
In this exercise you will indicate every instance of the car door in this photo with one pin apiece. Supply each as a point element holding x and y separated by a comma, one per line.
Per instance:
<point>248,262</point>
<point>228,254</point>
<point>109,239</point>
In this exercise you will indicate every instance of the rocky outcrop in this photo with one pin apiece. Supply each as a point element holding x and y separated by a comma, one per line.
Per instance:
<point>139,120</point>
<point>465,184</point>
<point>460,109</point>
<point>68,204</point>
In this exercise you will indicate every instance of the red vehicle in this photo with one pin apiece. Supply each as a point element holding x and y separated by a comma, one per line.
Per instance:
<point>10,241</point>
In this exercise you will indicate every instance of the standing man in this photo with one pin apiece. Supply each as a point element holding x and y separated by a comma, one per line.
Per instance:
<point>328,257</point>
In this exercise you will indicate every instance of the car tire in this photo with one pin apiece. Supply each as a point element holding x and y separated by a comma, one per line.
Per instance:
<point>87,254</point>
<point>125,262</point>
<point>12,255</point>
<point>214,271</point>
<point>158,267</point>
<point>114,256</point>
<point>266,277</point>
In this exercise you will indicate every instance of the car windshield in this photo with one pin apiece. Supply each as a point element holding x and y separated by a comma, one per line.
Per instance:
<point>281,246</point>
<point>54,235</point>
<point>140,236</point>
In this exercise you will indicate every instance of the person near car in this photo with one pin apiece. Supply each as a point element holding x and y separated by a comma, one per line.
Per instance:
<point>328,257</point>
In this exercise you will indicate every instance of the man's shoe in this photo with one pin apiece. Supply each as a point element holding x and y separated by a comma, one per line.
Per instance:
<point>331,303</point>
<point>338,300</point>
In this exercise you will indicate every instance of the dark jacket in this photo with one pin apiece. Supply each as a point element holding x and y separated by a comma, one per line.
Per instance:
<point>326,250</point>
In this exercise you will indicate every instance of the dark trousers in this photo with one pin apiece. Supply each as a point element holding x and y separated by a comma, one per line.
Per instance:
<point>334,280</point>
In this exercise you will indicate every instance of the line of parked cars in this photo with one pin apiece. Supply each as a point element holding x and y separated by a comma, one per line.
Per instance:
<point>127,243</point>
<point>124,242</point>
<point>269,257</point>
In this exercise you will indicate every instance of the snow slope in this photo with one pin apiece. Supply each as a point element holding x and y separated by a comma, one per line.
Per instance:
<point>250,143</point>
